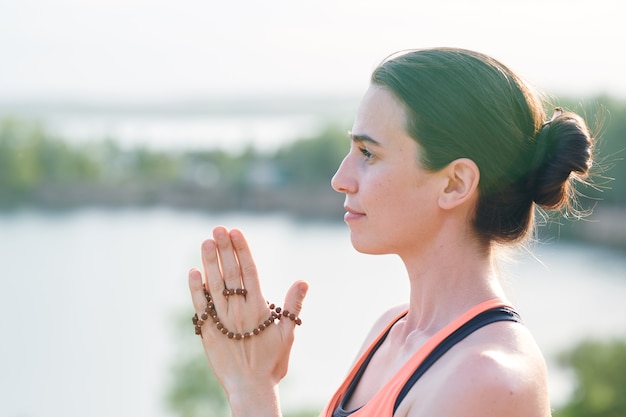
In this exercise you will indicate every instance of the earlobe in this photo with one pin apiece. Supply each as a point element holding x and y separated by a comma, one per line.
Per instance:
<point>462,177</point>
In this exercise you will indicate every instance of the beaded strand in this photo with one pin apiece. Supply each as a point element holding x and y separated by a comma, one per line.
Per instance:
<point>276,313</point>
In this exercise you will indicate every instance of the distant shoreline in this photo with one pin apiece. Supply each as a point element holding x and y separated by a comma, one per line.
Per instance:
<point>606,226</point>
<point>313,202</point>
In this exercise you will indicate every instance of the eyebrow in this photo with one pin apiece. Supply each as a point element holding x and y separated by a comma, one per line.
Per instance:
<point>363,138</point>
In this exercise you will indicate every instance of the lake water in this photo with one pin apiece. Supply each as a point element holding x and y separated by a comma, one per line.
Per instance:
<point>89,302</point>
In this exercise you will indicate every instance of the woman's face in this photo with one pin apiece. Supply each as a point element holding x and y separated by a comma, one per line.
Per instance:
<point>391,202</point>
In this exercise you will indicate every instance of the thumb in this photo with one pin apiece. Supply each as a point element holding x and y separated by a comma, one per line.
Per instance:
<point>295,297</point>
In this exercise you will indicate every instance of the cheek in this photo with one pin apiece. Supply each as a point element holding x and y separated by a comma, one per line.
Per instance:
<point>389,196</point>
<point>377,190</point>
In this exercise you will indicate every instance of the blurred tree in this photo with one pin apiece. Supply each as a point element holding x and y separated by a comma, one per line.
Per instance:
<point>193,390</point>
<point>230,169</point>
<point>600,369</point>
<point>30,158</point>
<point>304,413</point>
<point>313,161</point>
<point>36,168</point>
<point>152,166</point>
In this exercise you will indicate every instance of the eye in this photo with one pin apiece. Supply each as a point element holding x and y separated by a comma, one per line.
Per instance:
<point>367,154</point>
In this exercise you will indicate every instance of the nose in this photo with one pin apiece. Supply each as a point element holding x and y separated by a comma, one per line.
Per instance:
<point>342,181</point>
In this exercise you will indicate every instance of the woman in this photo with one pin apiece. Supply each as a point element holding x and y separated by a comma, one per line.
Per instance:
<point>450,154</point>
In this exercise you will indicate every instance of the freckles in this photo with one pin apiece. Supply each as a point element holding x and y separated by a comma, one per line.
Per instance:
<point>381,189</point>
<point>380,184</point>
<point>383,194</point>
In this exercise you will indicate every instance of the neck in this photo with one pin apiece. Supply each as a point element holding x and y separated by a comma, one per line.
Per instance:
<point>445,281</point>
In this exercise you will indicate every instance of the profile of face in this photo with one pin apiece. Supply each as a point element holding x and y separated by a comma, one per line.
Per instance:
<point>390,201</point>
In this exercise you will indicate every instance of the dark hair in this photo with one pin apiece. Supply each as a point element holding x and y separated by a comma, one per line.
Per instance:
<point>463,104</point>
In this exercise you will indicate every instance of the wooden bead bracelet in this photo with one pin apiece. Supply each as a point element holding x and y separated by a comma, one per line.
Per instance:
<point>276,313</point>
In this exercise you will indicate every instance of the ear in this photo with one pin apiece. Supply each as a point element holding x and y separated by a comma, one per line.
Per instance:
<point>462,176</point>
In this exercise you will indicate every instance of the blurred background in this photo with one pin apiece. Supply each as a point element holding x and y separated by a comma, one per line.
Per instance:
<point>129,129</point>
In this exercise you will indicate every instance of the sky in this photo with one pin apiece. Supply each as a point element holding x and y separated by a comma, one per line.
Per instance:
<point>159,50</point>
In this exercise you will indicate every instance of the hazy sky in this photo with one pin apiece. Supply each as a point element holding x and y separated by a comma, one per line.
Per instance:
<point>165,49</point>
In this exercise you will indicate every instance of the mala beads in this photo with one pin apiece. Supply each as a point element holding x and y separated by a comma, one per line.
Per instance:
<point>233,291</point>
<point>276,313</point>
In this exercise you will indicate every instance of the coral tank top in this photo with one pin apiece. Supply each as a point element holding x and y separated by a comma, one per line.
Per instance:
<point>387,399</point>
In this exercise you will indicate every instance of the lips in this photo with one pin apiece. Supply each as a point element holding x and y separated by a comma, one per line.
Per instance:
<point>352,214</point>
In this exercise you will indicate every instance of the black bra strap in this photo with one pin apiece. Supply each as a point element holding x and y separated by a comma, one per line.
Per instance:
<point>482,319</point>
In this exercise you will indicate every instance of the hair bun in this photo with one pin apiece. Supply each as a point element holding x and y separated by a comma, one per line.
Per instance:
<point>563,154</point>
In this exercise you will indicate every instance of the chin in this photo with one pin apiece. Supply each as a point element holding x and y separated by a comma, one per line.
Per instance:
<point>367,248</point>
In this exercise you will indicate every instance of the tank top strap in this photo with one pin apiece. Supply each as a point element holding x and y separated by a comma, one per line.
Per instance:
<point>345,390</point>
<point>340,411</point>
<point>388,398</point>
<point>492,315</point>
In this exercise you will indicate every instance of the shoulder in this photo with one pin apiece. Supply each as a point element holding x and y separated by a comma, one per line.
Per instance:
<point>499,381</point>
<point>497,371</point>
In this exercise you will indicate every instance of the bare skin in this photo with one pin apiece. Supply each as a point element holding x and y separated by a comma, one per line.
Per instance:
<point>497,371</point>
<point>393,206</point>
<point>248,370</point>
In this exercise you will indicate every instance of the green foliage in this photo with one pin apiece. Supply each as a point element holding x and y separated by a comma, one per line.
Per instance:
<point>29,158</point>
<point>313,160</point>
<point>31,161</point>
<point>304,413</point>
<point>600,369</point>
<point>193,390</point>
<point>153,166</point>
<point>196,392</point>
<point>228,169</point>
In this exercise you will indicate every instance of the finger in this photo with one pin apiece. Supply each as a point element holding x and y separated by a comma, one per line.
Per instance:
<point>247,266</point>
<point>210,262</point>
<point>196,288</point>
<point>231,273</point>
<point>295,299</point>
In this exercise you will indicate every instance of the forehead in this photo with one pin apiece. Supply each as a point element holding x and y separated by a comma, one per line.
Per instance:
<point>379,114</point>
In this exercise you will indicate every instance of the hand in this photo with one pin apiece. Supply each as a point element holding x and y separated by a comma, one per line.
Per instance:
<point>249,370</point>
